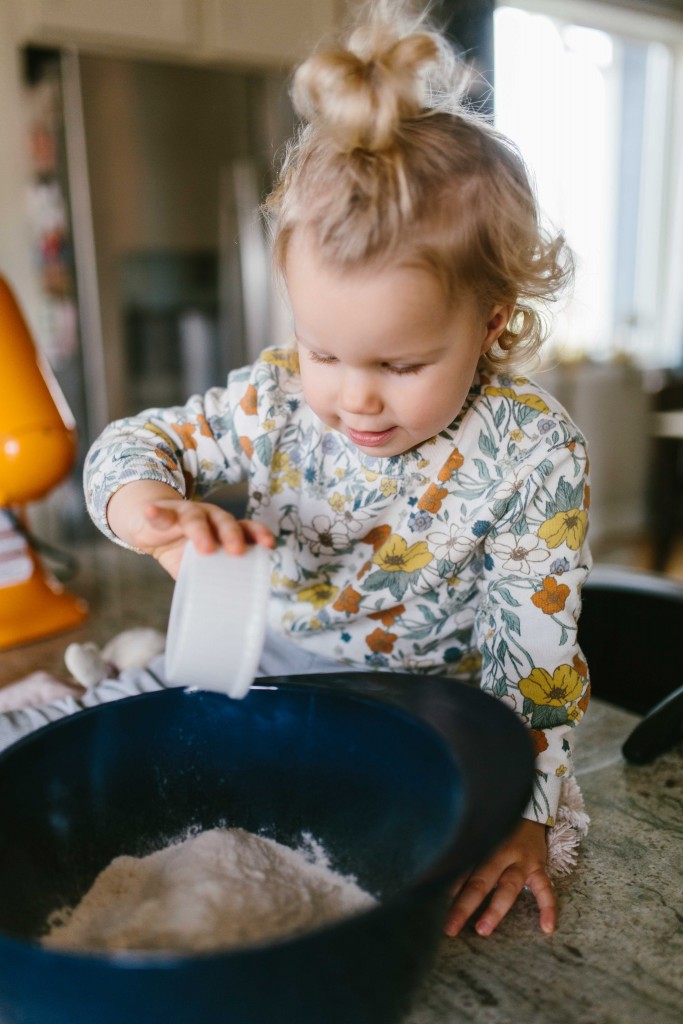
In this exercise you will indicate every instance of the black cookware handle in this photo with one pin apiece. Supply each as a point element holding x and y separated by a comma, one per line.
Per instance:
<point>661,728</point>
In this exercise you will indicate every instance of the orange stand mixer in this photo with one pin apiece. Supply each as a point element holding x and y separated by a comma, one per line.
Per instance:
<point>37,450</point>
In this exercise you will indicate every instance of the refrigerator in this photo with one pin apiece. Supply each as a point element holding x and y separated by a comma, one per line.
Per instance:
<point>153,256</point>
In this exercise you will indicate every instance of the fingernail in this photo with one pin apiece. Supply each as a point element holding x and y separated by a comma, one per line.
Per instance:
<point>483,928</point>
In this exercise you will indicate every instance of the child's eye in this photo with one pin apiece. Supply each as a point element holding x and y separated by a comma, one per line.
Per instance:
<point>316,357</point>
<point>402,370</point>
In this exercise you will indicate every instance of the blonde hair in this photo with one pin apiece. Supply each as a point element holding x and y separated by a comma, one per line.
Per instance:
<point>390,166</point>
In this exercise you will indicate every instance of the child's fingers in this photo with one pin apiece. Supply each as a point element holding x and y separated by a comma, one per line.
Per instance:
<point>257,533</point>
<point>470,897</point>
<point>187,519</point>
<point>542,888</point>
<point>509,886</point>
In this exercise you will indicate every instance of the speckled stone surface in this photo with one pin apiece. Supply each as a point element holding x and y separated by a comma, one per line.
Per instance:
<point>617,956</point>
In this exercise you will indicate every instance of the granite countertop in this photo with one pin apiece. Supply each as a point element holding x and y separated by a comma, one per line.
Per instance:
<point>617,956</point>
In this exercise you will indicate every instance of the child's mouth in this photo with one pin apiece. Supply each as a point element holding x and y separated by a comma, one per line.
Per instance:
<point>369,438</point>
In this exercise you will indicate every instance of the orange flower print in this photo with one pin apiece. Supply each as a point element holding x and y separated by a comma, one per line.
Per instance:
<point>204,428</point>
<point>348,601</point>
<point>160,453</point>
<point>377,537</point>
<point>552,597</point>
<point>365,567</point>
<point>453,462</point>
<point>388,615</point>
<point>587,496</point>
<point>432,498</point>
<point>580,666</point>
<point>247,447</point>
<point>248,402</point>
<point>585,700</point>
<point>539,740</point>
<point>380,641</point>
<point>186,434</point>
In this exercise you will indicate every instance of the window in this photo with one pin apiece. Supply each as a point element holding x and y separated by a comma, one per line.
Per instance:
<point>593,108</point>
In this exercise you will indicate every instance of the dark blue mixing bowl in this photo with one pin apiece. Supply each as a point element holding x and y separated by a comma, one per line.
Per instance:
<point>407,781</point>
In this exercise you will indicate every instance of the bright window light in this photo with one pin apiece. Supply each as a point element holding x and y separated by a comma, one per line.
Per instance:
<point>588,110</point>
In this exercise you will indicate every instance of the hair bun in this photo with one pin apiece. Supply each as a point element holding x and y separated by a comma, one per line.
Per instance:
<point>360,95</point>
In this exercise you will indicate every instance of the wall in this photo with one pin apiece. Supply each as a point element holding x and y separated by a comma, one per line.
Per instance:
<point>611,408</point>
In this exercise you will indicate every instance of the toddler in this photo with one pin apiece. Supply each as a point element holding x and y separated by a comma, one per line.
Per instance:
<point>426,505</point>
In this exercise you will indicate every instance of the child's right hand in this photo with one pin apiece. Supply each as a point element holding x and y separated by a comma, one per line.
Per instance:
<point>153,518</point>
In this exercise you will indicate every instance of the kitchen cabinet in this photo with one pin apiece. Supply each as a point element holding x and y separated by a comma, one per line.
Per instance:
<point>265,32</point>
<point>156,23</point>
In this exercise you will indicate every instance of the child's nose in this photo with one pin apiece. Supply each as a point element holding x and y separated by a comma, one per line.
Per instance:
<point>359,393</point>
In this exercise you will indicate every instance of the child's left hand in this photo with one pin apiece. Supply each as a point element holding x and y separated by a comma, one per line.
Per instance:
<point>519,862</point>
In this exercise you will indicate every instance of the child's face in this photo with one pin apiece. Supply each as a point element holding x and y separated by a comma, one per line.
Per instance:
<point>384,359</point>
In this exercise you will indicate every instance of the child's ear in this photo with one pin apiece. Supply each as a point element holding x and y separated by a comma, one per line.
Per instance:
<point>496,323</point>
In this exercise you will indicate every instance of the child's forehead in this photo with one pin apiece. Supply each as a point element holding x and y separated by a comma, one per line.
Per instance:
<point>405,283</point>
<point>396,294</point>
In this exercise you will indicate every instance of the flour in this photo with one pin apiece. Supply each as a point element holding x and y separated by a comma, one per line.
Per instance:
<point>212,890</point>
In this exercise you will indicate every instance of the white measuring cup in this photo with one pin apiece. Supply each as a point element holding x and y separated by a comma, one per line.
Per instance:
<point>218,618</point>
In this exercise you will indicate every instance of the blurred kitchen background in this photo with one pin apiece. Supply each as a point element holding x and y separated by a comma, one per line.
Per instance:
<point>139,138</point>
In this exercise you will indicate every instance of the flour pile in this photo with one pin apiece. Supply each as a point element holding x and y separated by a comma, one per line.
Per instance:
<point>213,890</point>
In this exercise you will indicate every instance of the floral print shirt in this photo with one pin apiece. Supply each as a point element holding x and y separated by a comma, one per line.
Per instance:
<point>463,557</point>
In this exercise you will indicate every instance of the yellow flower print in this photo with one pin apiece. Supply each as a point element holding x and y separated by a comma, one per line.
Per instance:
<point>573,712</point>
<point>565,528</point>
<point>318,595</point>
<point>517,435</point>
<point>561,770</point>
<point>387,487</point>
<point>268,424</point>
<point>532,401</point>
<point>337,502</point>
<point>278,580</point>
<point>563,686</point>
<point>396,556</point>
<point>370,475</point>
<point>286,357</point>
<point>315,623</point>
<point>284,473</point>
<point>470,663</point>
<point>292,478</point>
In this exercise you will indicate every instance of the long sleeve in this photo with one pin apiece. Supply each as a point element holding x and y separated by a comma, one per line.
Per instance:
<point>536,560</point>
<point>221,437</point>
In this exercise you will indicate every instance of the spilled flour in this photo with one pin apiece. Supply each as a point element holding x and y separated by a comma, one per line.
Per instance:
<point>213,890</point>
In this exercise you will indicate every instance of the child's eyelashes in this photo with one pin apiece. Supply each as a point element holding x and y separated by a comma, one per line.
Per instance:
<point>402,370</point>
<point>398,370</point>
<point>316,357</point>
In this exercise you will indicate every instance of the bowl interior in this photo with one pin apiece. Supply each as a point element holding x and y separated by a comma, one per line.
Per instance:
<point>377,787</point>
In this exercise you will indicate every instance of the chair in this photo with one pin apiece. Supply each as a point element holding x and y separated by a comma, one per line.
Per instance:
<point>630,631</point>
